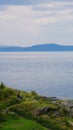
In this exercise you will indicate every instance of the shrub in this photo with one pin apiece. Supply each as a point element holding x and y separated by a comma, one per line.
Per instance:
<point>2,86</point>
<point>2,117</point>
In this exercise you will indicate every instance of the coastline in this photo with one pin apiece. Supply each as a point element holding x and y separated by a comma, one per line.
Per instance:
<point>50,112</point>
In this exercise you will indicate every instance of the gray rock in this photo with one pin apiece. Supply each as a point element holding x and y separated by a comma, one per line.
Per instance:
<point>43,110</point>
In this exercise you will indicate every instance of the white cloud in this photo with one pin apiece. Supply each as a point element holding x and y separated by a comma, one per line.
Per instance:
<point>53,6</point>
<point>55,16</point>
<point>53,22</point>
<point>26,25</point>
<point>16,22</point>
<point>19,16</point>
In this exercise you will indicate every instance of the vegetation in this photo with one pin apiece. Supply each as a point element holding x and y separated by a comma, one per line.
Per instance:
<point>20,110</point>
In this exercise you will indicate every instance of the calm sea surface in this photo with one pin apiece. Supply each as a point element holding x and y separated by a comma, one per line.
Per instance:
<point>50,74</point>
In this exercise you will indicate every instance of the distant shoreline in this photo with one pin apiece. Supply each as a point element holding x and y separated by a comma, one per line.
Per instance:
<point>37,48</point>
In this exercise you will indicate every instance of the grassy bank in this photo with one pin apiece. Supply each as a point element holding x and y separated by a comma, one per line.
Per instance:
<point>20,110</point>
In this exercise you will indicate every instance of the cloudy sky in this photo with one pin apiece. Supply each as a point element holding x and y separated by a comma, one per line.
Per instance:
<point>31,22</point>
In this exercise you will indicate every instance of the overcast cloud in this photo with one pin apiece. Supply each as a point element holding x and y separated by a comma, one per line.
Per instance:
<point>30,22</point>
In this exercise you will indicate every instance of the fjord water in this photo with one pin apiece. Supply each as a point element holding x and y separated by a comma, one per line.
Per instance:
<point>48,73</point>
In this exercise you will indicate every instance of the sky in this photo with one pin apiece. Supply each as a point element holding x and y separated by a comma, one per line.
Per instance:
<point>31,22</point>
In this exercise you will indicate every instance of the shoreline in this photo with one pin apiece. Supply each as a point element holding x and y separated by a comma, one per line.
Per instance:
<point>50,112</point>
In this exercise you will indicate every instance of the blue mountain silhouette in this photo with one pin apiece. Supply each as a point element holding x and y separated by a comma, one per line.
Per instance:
<point>41,47</point>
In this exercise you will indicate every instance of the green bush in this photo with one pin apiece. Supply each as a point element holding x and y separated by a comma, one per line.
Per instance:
<point>2,86</point>
<point>2,117</point>
<point>5,92</point>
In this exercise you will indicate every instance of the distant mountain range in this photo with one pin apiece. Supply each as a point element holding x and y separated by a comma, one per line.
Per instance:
<point>42,47</point>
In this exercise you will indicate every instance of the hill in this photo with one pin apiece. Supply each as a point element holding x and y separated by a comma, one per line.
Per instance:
<point>20,110</point>
<point>42,47</point>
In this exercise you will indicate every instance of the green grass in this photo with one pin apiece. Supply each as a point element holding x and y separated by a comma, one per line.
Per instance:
<point>21,114</point>
<point>21,124</point>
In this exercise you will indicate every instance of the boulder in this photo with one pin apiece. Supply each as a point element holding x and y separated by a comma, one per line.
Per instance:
<point>43,110</point>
